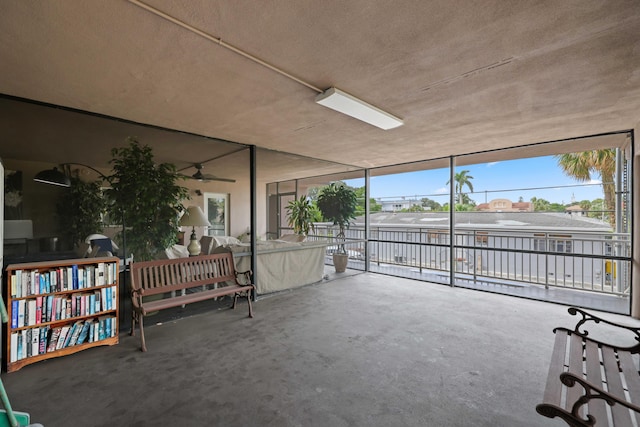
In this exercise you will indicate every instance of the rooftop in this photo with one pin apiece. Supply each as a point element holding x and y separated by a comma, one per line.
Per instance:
<point>502,220</point>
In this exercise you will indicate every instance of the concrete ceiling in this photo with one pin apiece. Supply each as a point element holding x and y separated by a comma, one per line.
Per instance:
<point>465,76</point>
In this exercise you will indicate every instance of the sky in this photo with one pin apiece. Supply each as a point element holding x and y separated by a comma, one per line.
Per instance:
<point>539,177</point>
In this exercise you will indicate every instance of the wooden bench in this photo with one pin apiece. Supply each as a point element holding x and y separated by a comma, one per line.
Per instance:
<point>207,276</point>
<point>592,382</point>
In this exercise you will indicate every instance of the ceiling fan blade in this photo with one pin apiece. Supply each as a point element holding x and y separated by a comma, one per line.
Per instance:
<point>215,178</point>
<point>199,176</point>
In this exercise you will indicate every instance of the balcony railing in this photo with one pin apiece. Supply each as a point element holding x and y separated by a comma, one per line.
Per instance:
<point>598,262</point>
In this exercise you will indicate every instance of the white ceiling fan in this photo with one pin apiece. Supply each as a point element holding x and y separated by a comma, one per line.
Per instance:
<point>199,176</point>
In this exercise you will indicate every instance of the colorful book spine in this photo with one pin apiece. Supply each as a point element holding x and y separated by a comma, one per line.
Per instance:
<point>14,314</point>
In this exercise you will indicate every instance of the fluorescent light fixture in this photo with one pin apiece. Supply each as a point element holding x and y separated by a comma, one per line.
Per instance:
<point>351,106</point>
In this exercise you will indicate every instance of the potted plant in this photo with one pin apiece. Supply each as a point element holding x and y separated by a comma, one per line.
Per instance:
<point>301,214</point>
<point>337,203</point>
<point>147,199</point>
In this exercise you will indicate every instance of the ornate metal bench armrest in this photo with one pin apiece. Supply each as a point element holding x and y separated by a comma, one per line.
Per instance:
<point>589,317</point>
<point>592,392</point>
<point>244,278</point>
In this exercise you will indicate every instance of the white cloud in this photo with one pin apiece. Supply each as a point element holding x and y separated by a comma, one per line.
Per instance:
<point>595,181</point>
<point>443,190</point>
<point>492,164</point>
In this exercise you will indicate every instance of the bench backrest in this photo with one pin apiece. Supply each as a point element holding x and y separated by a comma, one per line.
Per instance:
<point>160,276</point>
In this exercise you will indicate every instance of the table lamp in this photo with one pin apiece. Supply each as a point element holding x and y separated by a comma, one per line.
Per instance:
<point>194,217</point>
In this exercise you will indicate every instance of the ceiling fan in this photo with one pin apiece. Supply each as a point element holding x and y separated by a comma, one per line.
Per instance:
<point>199,176</point>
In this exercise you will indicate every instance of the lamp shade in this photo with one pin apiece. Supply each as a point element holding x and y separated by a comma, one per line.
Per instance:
<point>194,217</point>
<point>54,177</point>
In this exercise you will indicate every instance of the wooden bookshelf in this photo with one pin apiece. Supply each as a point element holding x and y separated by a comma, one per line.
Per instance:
<point>52,299</point>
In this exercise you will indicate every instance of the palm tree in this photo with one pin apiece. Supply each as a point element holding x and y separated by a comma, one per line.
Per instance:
<point>461,179</point>
<point>581,166</point>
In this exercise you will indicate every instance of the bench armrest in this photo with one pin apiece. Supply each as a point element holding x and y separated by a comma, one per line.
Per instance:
<point>590,392</point>
<point>589,317</point>
<point>244,278</point>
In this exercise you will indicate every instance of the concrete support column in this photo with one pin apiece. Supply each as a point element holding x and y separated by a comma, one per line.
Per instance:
<point>635,227</point>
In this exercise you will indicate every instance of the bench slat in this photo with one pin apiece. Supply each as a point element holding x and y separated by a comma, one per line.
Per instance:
<point>620,414</point>
<point>161,304</point>
<point>595,407</point>
<point>575,367</point>
<point>553,389</point>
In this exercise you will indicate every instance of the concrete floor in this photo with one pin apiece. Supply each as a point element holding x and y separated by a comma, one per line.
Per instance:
<point>363,350</point>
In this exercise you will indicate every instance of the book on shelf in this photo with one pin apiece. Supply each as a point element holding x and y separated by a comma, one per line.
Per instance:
<point>26,346</point>
<point>32,309</point>
<point>13,356</point>
<point>100,278</point>
<point>18,292</point>
<point>83,305</point>
<point>70,332</point>
<point>14,313</point>
<point>102,327</point>
<point>103,298</point>
<point>53,281</point>
<point>63,336</point>
<point>74,277</point>
<point>81,276</point>
<point>35,341</point>
<point>92,304</point>
<point>39,309</point>
<point>21,307</point>
<point>54,308</point>
<point>92,328</point>
<point>84,333</point>
<point>13,285</point>
<point>44,333</point>
<point>53,338</point>
<point>20,349</point>
<point>74,305</point>
<point>77,328</point>
<point>98,307</point>
<point>114,297</point>
<point>49,308</point>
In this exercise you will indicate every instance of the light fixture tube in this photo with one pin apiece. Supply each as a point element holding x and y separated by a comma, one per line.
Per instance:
<point>351,106</point>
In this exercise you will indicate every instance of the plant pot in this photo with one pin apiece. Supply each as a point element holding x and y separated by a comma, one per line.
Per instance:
<point>340,262</point>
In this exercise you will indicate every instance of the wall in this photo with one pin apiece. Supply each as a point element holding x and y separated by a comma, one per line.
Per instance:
<point>38,200</point>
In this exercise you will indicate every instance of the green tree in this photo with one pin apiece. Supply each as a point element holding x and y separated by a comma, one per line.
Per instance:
<point>431,204</point>
<point>557,207</point>
<point>413,208</point>
<point>597,209</point>
<point>301,215</point>
<point>584,165</point>
<point>540,205</point>
<point>374,206</point>
<point>585,205</point>
<point>337,203</point>
<point>461,180</point>
<point>146,197</point>
<point>79,210</point>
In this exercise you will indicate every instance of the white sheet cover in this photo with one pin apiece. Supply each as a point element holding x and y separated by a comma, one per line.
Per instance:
<point>283,265</point>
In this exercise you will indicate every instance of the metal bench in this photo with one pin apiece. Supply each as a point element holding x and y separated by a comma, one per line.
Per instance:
<point>208,276</point>
<point>591,382</point>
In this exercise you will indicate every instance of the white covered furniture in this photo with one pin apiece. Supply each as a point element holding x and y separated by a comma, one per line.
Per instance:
<point>282,265</point>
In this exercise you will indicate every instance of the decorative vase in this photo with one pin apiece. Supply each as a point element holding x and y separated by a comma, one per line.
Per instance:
<point>340,262</point>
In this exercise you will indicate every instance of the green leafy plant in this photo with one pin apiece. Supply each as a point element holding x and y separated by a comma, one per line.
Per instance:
<point>337,203</point>
<point>79,210</point>
<point>301,214</point>
<point>147,199</point>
